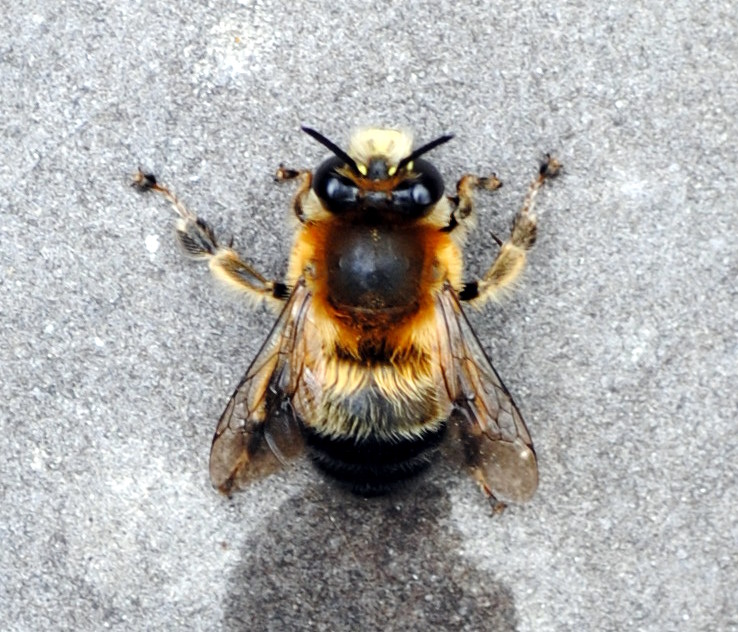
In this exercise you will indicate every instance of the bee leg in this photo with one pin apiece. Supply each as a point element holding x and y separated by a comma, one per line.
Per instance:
<point>283,174</point>
<point>465,189</point>
<point>510,260</point>
<point>463,201</point>
<point>198,241</point>
<point>497,506</point>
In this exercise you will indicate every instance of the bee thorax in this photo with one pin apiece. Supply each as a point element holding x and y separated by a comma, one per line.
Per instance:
<point>374,268</point>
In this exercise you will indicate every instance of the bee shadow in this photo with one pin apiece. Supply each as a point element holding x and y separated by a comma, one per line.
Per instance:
<point>328,560</point>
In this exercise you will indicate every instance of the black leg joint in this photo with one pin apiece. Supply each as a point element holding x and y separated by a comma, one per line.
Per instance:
<point>143,180</point>
<point>469,291</point>
<point>453,223</point>
<point>280,291</point>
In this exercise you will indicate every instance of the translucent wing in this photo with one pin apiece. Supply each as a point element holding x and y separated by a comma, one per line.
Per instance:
<point>495,442</point>
<point>258,430</point>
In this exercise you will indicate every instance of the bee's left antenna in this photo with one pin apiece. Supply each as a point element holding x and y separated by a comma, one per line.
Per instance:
<point>424,150</point>
<point>333,147</point>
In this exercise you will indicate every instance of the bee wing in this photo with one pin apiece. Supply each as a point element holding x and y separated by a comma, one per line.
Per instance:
<point>258,430</point>
<point>496,444</point>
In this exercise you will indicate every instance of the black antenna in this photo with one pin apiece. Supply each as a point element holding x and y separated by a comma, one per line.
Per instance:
<point>424,149</point>
<point>333,147</point>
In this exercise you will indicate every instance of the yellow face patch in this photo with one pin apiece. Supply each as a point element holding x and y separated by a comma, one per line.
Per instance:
<point>391,144</point>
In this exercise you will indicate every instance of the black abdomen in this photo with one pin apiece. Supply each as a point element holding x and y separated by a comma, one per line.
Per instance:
<point>374,465</point>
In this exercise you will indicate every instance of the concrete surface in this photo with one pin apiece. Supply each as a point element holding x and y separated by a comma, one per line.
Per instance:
<point>620,345</point>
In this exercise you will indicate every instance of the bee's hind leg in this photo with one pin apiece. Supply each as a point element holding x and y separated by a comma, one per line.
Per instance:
<point>510,260</point>
<point>198,241</point>
<point>496,505</point>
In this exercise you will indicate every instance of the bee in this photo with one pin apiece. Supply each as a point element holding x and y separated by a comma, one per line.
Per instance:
<point>372,365</point>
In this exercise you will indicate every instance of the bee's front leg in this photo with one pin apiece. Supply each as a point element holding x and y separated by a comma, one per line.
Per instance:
<point>510,260</point>
<point>306,179</point>
<point>463,201</point>
<point>198,241</point>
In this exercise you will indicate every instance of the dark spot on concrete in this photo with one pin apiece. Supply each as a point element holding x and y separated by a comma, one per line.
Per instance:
<point>330,561</point>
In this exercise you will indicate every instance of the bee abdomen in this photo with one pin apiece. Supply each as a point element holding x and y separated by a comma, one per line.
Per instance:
<point>374,465</point>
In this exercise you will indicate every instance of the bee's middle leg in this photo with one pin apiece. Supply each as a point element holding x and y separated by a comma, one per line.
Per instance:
<point>198,241</point>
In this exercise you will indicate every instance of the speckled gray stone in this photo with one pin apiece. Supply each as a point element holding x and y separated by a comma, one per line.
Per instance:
<point>620,344</point>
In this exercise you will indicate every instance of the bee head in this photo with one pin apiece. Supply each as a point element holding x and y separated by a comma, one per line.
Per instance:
<point>380,173</point>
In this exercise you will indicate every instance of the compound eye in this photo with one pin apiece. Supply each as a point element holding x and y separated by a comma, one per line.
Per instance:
<point>420,194</point>
<point>411,200</point>
<point>430,183</point>
<point>336,191</point>
<point>415,196</point>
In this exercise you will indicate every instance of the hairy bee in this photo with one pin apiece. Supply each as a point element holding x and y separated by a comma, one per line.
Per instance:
<point>372,365</point>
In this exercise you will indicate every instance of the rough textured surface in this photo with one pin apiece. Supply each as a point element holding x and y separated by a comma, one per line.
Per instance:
<point>620,345</point>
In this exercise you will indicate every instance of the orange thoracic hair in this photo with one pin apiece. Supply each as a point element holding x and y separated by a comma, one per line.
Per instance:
<point>399,332</point>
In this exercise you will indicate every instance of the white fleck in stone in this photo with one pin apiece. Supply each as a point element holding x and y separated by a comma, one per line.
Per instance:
<point>38,460</point>
<point>152,243</point>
